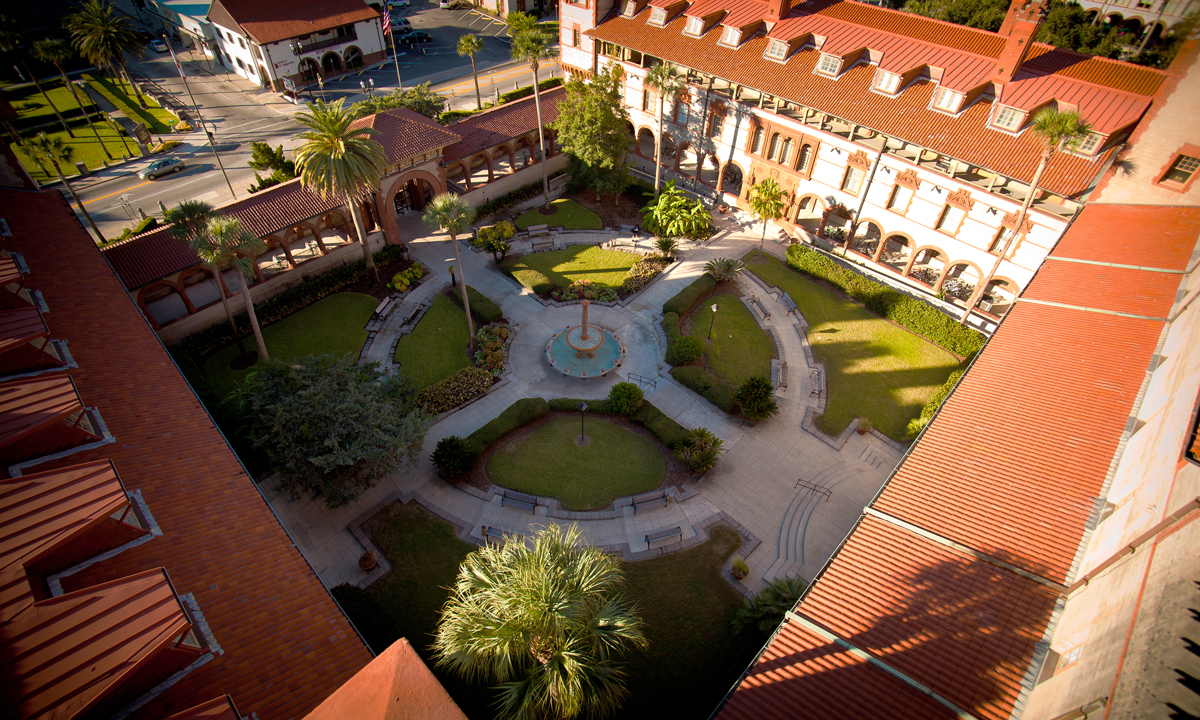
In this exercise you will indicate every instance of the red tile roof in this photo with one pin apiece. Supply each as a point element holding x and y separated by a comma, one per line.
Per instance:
<point>500,124</point>
<point>285,645</point>
<point>804,676</point>
<point>31,405</point>
<point>1124,76</point>
<point>404,133</point>
<point>144,258</point>
<point>221,708</point>
<point>273,20</point>
<point>1125,240</point>
<point>65,654</point>
<point>9,273</point>
<point>20,326</point>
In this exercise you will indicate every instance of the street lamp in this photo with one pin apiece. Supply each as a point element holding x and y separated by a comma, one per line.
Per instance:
<point>712,322</point>
<point>582,409</point>
<point>368,86</point>
<point>321,84</point>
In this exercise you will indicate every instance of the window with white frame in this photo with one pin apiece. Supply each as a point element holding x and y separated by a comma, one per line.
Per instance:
<point>829,64</point>
<point>951,219</point>
<point>658,16</point>
<point>774,147</point>
<point>1090,144</point>
<point>902,195</point>
<point>681,112</point>
<point>854,180</point>
<point>694,26</point>
<point>948,100</point>
<point>887,82</point>
<point>1009,118</point>
<point>630,8</point>
<point>786,153</point>
<point>805,158</point>
<point>756,147</point>
<point>731,36</point>
<point>777,50</point>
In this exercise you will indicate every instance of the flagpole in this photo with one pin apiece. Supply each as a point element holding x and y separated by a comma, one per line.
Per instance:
<point>387,30</point>
<point>199,117</point>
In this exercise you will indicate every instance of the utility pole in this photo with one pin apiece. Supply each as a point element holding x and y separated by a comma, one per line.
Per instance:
<point>199,117</point>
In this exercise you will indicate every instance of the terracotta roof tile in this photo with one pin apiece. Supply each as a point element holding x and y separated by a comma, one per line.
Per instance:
<point>1124,240</point>
<point>273,20</point>
<point>404,133</point>
<point>1114,289</point>
<point>221,708</point>
<point>1137,79</point>
<point>500,124</point>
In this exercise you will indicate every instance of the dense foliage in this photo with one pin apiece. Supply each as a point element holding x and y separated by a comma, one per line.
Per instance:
<point>757,398</point>
<point>509,199</point>
<point>404,279</point>
<point>701,450</point>
<point>626,398</point>
<point>419,98</point>
<point>466,384</point>
<point>591,128</point>
<point>767,609</point>
<point>676,214</point>
<point>482,307</point>
<point>684,350</point>
<point>453,456</point>
<point>490,352</point>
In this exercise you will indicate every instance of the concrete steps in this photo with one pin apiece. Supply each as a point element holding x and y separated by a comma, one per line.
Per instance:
<point>790,555</point>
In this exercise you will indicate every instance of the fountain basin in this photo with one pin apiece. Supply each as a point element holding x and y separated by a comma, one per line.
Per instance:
<point>573,356</point>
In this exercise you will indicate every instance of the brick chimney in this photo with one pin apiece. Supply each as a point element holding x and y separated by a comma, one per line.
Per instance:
<point>778,9</point>
<point>1019,30</point>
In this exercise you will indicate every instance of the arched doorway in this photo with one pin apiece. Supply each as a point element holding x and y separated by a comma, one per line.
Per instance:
<point>998,296</point>
<point>895,251</point>
<point>668,150</point>
<point>866,238</point>
<point>733,179</point>
<point>709,169</point>
<point>809,211</point>
<point>958,281</point>
<point>331,64</point>
<point>309,70</point>
<point>926,265</point>
<point>645,146</point>
<point>353,57</point>
<point>415,194</point>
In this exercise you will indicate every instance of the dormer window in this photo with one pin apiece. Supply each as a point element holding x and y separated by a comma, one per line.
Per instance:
<point>658,16</point>
<point>731,36</point>
<point>948,100</point>
<point>631,7</point>
<point>830,64</point>
<point>695,26</point>
<point>777,50</point>
<point>887,82</point>
<point>1009,118</point>
<point>1090,144</point>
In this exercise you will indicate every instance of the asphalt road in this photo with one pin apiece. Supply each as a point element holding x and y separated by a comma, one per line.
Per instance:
<point>238,118</point>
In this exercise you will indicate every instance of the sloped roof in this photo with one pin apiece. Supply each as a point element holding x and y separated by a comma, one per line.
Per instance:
<point>500,124</point>
<point>404,133</point>
<point>273,20</point>
<point>30,405</point>
<point>221,708</point>
<point>9,273</point>
<point>20,326</point>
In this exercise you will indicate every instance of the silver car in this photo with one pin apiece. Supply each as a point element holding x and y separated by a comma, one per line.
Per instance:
<point>158,168</point>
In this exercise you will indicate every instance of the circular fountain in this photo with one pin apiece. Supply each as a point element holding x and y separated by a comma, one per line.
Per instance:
<point>585,350</point>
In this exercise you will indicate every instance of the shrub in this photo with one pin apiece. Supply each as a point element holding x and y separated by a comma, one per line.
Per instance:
<point>739,566</point>
<point>709,386</point>
<point>464,385</point>
<point>667,246</point>
<point>167,146</point>
<point>490,342</point>
<point>522,412</point>
<point>528,90</point>
<point>626,397</point>
<point>757,398</point>
<point>668,432</point>
<point>724,269</point>
<point>453,456</point>
<point>507,200</point>
<point>700,450</point>
<point>454,116</point>
<point>684,350</point>
<point>482,308</point>
<point>641,274</point>
<point>597,407</point>
<point>766,610</point>
<point>183,127</point>
<point>670,324</point>
<point>686,299</point>
<point>913,314</point>
<point>864,426</point>
<point>367,615</point>
<point>144,225</point>
<point>405,278</point>
<point>503,230</point>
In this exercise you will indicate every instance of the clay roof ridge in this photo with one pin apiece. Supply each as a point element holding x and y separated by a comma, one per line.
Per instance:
<point>508,106</point>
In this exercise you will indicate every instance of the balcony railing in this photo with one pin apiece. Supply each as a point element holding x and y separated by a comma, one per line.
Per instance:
<point>307,46</point>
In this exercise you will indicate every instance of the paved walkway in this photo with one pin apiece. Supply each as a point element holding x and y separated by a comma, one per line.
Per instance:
<point>764,485</point>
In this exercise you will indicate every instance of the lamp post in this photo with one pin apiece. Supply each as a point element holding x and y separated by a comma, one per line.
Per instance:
<point>712,322</point>
<point>368,86</point>
<point>199,118</point>
<point>582,409</point>
<point>321,84</point>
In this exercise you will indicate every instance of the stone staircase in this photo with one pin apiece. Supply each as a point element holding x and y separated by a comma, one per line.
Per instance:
<point>790,555</point>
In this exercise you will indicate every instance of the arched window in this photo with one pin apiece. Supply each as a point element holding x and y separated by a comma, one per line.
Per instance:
<point>805,157</point>
<point>786,154</point>
<point>758,140</point>
<point>774,147</point>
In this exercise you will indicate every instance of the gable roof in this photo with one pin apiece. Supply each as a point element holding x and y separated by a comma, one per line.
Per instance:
<point>503,123</point>
<point>405,133</point>
<point>269,21</point>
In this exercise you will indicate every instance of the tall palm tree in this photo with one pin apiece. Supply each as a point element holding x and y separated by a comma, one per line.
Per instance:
<point>341,161</point>
<point>103,37</point>
<point>766,201</point>
<point>533,45</point>
<point>453,215</point>
<point>468,45</point>
<point>547,624</point>
<point>11,38</point>
<point>56,52</point>
<point>47,150</point>
<point>189,225</point>
<point>1057,130</point>
<point>664,81</point>
<point>226,242</point>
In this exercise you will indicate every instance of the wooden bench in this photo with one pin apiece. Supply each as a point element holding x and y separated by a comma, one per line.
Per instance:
<point>783,375</point>
<point>381,308</point>
<point>492,534</point>
<point>543,245</point>
<point>758,304</point>
<point>658,498</point>
<point>664,534</point>
<point>539,230</point>
<point>815,379</point>
<point>512,498</point>
<point>787,302</point>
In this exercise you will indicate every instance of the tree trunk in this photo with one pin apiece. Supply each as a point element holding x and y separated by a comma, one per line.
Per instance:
<point>762,242</point>
<point>983,283</point>
<point>463,287</point>
<point>360,229</point>
<point>262,348</point>
<point>537,103</point>
<point>658,150</point>
<point>129,79</point>
<point>478,99</point>
<point>78,202</point>
<point>86,115</point>
<point>49,101</point>
<point>216,271</point>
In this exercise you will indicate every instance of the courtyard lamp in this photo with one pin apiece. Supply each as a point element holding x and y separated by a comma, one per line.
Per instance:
<point>582,409</point>
<point>712,322</point>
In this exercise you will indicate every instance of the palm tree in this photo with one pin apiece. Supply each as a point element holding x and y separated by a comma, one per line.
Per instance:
<point>454,215</point>
<point>724,269</point>
<point>103,37</point>
<point>11,38</point>
<point>1057,130</point>
<point>56,52</point>
<point>766,201</point>
<point>341,161</point>
<point>468,45</point>
<point>533,45</point>
<point>664,81</point>
<point>189,225</point>
<point>47,150</point>
<point>224,241</point>
<point>546,624</point>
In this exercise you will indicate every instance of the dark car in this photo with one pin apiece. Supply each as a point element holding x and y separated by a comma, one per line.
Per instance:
<point>414,37</point>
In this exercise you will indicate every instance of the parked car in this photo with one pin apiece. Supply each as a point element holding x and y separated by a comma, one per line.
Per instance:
<point>158,168</point>
<point>444,4</point>
<point>158,45</point>
<point>398,3</point>
<point>401,26</point>
<point>414,37</point>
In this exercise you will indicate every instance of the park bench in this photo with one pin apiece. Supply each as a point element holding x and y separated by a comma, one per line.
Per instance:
<point>543,245</point>
<point>787,302</point>
<point>412,314</point>
<point>539,230</point>
<point>382,308</point>
<point>815,379</point>
<point>658,498</point>
<point>761,308</point>
<point>493,534</point>
<point>783,375</point>
<point>664,534</point>
<point>512,498</point>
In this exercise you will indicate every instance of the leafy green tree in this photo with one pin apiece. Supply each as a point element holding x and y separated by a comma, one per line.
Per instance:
<point>12,37</point>
<point>189,225</point>
<point>103,37</point>
<point>264,157</point>
<point>766,201</point>
<point>547,625</point>
<point>591,127</point>
<point>534,45</point>
<point>982,14</point>
<point>757,397</point>
<point>468,46</point>
<point>674,214</point>
<point>452,214</point>
<point>47,150</point>
<point>341,161</point>
<point>724,269</point>
<point>664,81</point>
<point>1067,26</point>
<point>223,241</point>
<point>419,98</point>
<point>333,427</point>
<point>767,609</point>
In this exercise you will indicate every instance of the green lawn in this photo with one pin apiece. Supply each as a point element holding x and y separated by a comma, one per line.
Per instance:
<point>437,347</point>
<point>87,150</point>
<point>157,120</point>
<point>332,325</point>
<point>740,348</point>
<point>571,215</point>
<point>548,462</point>
<point>32,108</point>
<point>875,369</point>
<point>605,268</point>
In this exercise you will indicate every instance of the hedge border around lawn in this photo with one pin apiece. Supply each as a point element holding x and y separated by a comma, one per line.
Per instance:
<point>521,412</point>
<point>483,309</point>
<point>686,299</point>
<point>709,386</point>
<point>509,199</point>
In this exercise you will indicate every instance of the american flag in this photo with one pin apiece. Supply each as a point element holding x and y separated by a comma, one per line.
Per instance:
<point>387,21</point>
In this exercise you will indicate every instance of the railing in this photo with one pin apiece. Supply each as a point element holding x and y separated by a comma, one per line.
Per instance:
<point>643,381</point>
<point>322,44</point>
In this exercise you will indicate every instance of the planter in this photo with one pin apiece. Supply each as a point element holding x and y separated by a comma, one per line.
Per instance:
<point>368,562</point>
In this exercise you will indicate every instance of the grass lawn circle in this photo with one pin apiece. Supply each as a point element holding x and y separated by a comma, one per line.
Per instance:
<point>567,214</point>
<point>548,462</point>
<point>543,271</point>
<point>437,347</point>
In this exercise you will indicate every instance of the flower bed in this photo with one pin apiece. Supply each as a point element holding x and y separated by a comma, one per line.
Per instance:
<point>407,279</point>
<point>490,355</point>
<point>464,385</point>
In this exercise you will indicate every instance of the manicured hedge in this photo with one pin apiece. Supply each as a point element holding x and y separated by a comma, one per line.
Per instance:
<point>598,407</point>
<point>367,615</point>
<point>670,324</point>
<point>482,308</point>
<point>940,396</point>
<point>507,200</point>
<point>686,299</point>
<point>913,314</point>
<point>709,386</point>
<point>454,116</point>
<point>214,338</point>
<point>464,385</point>
<point>528,90</point>
<point>669,432</point>
<point>522,412</point>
